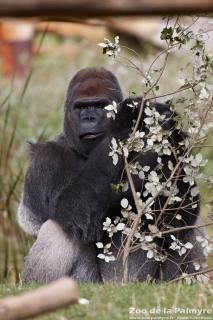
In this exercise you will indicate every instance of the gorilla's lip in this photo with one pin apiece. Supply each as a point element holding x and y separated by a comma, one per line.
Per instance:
<point>90,135</point>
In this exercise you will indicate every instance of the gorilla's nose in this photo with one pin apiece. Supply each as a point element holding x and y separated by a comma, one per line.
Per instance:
<point>89,117</point>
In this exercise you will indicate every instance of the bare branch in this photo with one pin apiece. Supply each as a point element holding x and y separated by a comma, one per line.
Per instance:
<point>191,275</point>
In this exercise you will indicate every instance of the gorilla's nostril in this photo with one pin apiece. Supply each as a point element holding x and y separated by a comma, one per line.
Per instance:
<point>89,118</point>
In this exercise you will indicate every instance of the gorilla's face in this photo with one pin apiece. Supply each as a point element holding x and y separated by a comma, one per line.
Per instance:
<point>90,117</point>
<point>85,121</point>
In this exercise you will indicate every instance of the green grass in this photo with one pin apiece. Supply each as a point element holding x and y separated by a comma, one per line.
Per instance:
<point>112,301</point>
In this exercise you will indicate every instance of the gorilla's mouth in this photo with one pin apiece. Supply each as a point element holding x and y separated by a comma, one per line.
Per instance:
<point>91,135</point>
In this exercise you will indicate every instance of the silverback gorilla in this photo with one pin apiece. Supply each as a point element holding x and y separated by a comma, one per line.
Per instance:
<point>67,191</point>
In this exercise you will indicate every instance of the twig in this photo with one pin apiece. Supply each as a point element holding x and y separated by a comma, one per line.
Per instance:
<point>191,275</point>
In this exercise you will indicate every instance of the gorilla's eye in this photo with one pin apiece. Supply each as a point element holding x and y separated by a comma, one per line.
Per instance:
<point>91,104</point>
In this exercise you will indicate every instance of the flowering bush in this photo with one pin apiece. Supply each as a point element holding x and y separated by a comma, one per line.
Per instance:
<point>194,93</point>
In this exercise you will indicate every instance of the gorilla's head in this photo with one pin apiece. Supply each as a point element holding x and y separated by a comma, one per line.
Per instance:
<point>85,121</point>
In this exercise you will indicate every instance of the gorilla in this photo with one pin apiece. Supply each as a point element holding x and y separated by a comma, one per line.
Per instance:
<point>68,191</point>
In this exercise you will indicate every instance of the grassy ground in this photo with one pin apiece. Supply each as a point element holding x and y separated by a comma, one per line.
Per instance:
<point>112,301</point>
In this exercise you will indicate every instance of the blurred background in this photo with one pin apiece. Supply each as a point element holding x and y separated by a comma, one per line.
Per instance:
<point>37,61</point>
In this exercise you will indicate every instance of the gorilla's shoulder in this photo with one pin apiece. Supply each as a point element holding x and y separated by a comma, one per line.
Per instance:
<point>49,152</point>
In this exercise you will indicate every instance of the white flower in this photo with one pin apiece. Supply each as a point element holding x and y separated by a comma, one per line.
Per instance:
<point>124,203</point>
<point>101,256</point>
<point>172,200</point>
<point>125,186</point>
<point>133,104</point>
<point>153,228</point>
<point>178,216</point>
<point>202,278</point>
<point>188,280</point>
<point>150,142</point>
<point>191,168</point>
<point>109,48</point>
<point>114,143</point>
<point>106,247</point>
<point>207,247</point>
<point>139,134</point>
<point>99,245</point>
<point>149,216</point>
<point>148,245</point>
<point>135,142</point>
<point>150,254</point>
<point>148,238</point>
<point>166,147</point>
<point>197,266</point>
<point>115,159</point>
<point>148,111</point>
<point>146,168</point>
<point>159,160</point>
<point>170,165</point>
<point>106,255</point>
<point>109,227</point>
<point>189,178</point>
<point>115,150</point>
<point>116,220</point>
<point>197,160</point>
<point>180,247</point>
<point>107,258</point>
<point>153,177</point>
<point>204,94</point>
<point>188,245</point>
<point>112,110</point>
<point>125,151</point>
<point>147,80</point>
<point>120,226</point>
<point>141,175</point>
<point>107,222</point>
<point>194,191</point>
<point>148,120</point>
<point>194,206</point>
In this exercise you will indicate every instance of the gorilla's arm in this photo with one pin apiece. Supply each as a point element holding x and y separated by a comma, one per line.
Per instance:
<point>59,185</point>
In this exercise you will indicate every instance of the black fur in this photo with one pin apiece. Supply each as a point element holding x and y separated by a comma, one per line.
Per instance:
<point>69,181</point>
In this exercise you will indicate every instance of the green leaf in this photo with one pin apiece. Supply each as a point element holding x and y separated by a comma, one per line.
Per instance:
<point>166,34</point>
